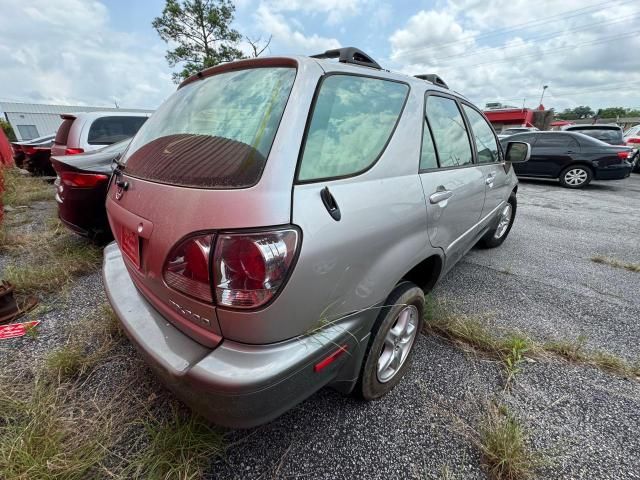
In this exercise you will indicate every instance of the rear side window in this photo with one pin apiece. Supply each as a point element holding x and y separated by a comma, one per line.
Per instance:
<point>486,144</point>
<point>353,119</point>
<point>63,131</point>
<point>555,140</point>
<point>108,130</point>
<point>213,133</point>
<point>449,132</point>
<point>605,134</point>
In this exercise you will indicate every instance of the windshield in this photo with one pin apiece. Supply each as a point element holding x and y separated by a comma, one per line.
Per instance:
<point>213,133</point>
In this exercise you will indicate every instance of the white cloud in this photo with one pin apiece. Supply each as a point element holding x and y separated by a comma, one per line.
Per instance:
<point>65,52</point>
<point>335,10</point>
<point>485,52</point>
<point>290,40</point>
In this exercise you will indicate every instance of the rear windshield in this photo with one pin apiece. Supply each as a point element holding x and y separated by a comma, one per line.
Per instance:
<point>213,133</point>
<point>63,131</point>
<point>607,135</point>
<point>109,130</point>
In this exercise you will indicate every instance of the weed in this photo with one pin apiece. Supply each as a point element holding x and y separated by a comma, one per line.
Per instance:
<point>513,349</point>
<point>571,350</point>
<point>90,342</point>
<point>613,262</point>
<point>44,435</point>
<point>179,446</point>
<point>23,189</point>
<point>57,257</point>
<point>502,442</point>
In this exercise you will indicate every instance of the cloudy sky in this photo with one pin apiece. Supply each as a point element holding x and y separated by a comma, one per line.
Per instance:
<point>97,52</point>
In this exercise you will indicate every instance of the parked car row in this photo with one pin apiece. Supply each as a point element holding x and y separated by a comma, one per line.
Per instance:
<point>33,155</point>
<point>574,158</point>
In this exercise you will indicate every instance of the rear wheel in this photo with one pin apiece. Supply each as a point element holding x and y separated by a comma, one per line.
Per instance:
<point>392,341</point>
<point>495,237</point>
<point>576,176</point>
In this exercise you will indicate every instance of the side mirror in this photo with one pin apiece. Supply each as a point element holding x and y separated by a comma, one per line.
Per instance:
<point>517,152</point>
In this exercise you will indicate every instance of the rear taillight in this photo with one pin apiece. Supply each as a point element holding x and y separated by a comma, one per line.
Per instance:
<point>246,269</point>
<point>187,268</point>
<point>28,150</point>
<point>16,148</point>
<point>82,180</point>
<point>73,151</point>
<point>633,140</point>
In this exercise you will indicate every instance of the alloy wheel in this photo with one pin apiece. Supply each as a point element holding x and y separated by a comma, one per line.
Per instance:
<point>397,343</point>
<point>505,220</point>
<point>575,177</point>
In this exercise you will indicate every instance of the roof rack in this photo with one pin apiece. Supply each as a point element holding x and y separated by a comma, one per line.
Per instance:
<point>433,78</point>
<point>350,55</point>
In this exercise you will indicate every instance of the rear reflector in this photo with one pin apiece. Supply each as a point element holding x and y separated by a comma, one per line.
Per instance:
<point>248,269</point>
<point>82,180</point>
<point>187,267</point>
<point>322,364</point>
<point>73,151</point>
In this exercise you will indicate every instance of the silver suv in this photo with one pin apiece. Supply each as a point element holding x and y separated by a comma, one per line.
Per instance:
<point>278,221</point>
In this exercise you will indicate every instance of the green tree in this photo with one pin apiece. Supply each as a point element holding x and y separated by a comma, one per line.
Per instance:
<point>201,29</point>
<point>8,130</point>
<point>613,112</point>
<point>582,111</point>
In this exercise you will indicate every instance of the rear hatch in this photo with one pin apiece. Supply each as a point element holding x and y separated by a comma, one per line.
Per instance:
<point>60,141</point>
<point>196,169</point>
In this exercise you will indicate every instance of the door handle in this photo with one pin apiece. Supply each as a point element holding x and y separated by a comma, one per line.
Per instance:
<point>489,180</point>
<point>330,204</point>
<point>440,196</point>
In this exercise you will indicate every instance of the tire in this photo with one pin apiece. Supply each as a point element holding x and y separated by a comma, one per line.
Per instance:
<point>405,300</point>
<point>496,236</point>
<point>576,176</point>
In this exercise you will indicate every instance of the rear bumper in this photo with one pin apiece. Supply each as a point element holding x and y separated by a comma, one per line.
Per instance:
<point>613,172</point>
<point>234,385</point>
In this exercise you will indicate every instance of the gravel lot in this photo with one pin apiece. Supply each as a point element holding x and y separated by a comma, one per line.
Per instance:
<point>542,282</point>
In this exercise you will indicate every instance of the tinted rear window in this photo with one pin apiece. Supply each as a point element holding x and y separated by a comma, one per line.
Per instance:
<point>213,133</point>
<point>605,134</point>
<point>63,131</point>
<point>108,130</point>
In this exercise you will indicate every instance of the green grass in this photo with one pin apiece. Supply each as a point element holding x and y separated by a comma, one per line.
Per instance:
<point>46,434</point>
<point>90,342</point>
<point>180,446</point>
<point>22,190</point>
<point>513,348</point>
<point>54,257</point>
<point>502,443</point>
<point>613,262</point>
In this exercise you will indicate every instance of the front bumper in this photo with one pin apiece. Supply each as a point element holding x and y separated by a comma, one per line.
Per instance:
<point>613,172</point>
<point>234,385</point>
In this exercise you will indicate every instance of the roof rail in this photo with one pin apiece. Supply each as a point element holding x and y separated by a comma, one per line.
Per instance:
<point>350,55</point>
<point>433,78</point>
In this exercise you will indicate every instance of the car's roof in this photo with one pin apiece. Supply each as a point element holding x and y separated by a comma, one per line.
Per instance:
<point>106,113</point>
<point>595,126</point>
<point>329,66</point>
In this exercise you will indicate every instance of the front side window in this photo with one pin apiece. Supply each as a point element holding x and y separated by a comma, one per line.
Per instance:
<point>353,119</point>
<point>449,132</point>
<point>486,144</point>
<point>213,133</point>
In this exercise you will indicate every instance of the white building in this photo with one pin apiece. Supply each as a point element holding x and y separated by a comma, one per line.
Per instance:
<point>32,120</point>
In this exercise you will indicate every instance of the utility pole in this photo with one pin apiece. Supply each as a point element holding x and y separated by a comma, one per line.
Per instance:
<point>542,96</point>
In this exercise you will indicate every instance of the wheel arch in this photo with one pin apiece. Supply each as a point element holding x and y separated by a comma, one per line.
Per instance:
<point>581,163</point>
<point>425,274</point>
